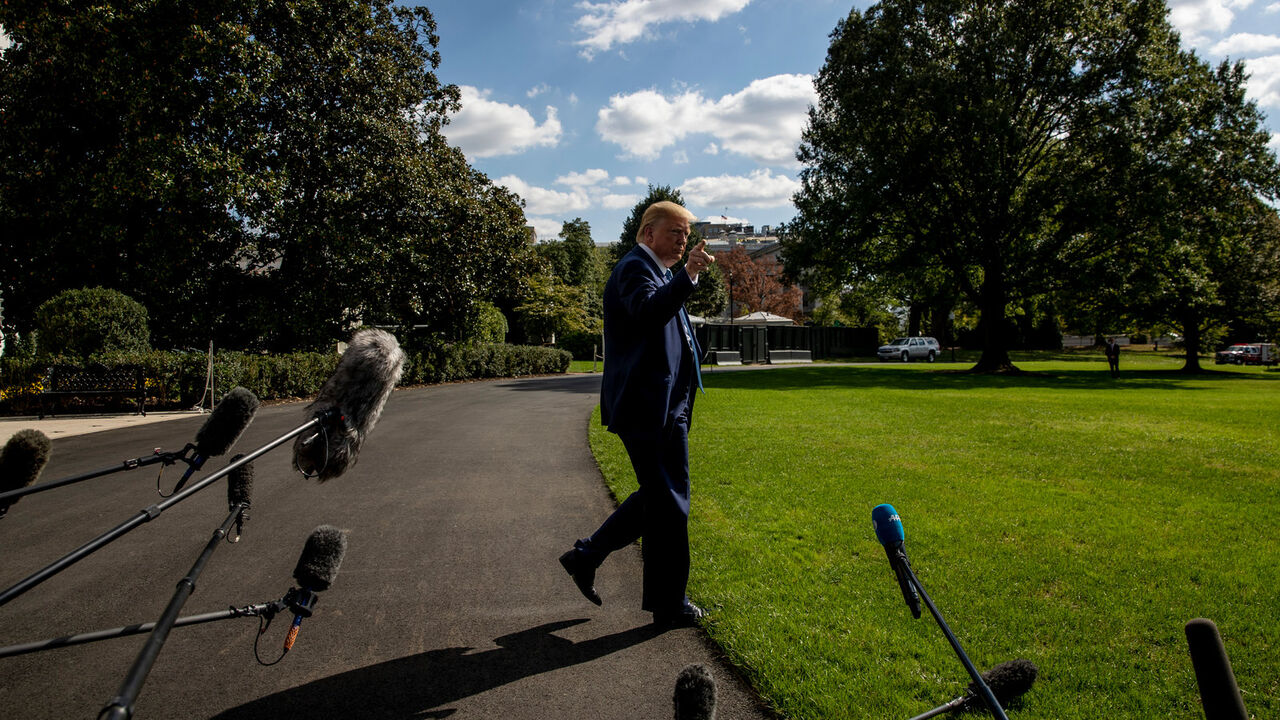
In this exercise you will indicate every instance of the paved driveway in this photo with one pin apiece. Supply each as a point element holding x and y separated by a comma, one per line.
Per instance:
<point>449,602</point>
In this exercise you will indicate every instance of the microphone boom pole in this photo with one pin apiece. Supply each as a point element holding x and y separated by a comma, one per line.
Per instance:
<point>168,458</point>
<point>983,689</point>
<point>148,514</point>
<point>268,609</point>
<point>121,706</point>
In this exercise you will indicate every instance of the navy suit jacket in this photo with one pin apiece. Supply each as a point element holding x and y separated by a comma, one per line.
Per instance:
<point>648,367</point>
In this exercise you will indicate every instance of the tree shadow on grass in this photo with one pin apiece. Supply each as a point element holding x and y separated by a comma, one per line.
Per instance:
<point>919,378</point>
<point>417,686</point>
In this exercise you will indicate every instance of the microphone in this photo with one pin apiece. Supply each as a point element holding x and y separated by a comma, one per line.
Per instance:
<point>21,462</point>
<point>239,488</point>
<point>888,527</point>
<point>1219,693</point>
<point>1008,681</point>
<point>316,569</point>
<point>224,426</point>
<point>695,694</point>
<point>349,404</point>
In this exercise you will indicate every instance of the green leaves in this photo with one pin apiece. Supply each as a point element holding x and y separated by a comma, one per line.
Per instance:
<point>266,173</point>
<point>1003,150</point>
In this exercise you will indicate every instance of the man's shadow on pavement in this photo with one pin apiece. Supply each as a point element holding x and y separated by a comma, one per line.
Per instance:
<point>418,685</point>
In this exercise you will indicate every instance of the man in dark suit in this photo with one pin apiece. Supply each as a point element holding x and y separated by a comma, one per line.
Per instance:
<point>651,372</point>
<point>1113,356</point>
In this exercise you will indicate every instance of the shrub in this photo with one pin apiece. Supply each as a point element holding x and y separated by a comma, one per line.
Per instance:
<point>177,379</point>
<point>81,323</point>
<point>489,324</point>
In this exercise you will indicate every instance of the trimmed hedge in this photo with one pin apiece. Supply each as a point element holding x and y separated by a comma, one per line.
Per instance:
<point>89,321</point>
<point>177,379</point>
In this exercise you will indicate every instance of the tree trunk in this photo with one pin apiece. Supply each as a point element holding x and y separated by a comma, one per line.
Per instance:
<point>1191,342</point>
<point>991,326</point>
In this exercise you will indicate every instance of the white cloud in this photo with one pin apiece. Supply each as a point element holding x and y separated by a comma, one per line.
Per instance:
<point>762,122</point>
<point>1275,143</point>
<point>712,149</point>
<point>573,99</point>
<point>586,189</point>
<point>545,228</point>
<point>680,157</point>
<point>1272,8</point>
<point>1198,19</point>
<point>541,201</point>
<point>622,180</point>
<point>1245,44</point>
<point>615,201</point>
<point>485,128</point>
<point>616,23</point>
<point>586,179</point>
<point>1264,81</point>
<point>761,188</point>
<point>538,90</point>
<point>644,123</point>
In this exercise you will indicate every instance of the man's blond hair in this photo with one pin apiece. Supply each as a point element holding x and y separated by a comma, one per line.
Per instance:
<point>662,210</point>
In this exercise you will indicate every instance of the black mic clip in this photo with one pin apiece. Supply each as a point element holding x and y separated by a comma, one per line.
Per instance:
<point>166,458</point>
<point>300,601</point>
<point>324,420</point>
<point>241,519</point>
<point>194,463</point>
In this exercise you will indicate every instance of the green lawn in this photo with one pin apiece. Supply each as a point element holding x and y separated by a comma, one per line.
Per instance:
<point>1059,516</point>
<point>584,366</point>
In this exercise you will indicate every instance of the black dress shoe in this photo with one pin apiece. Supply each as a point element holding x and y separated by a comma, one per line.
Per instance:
<point>688,616</point>
<point>584,577</point>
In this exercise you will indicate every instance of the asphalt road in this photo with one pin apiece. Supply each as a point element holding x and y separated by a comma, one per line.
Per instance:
<point>449,601</point>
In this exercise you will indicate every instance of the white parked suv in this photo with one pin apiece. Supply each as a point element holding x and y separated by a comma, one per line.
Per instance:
<point>910,348</point>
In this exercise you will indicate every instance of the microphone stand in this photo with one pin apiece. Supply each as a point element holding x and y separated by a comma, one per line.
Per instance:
<point>168,458</point>
<point>150,513</point>
<point>267,609</point>
<point>987,695</point>
<point>121,706</point>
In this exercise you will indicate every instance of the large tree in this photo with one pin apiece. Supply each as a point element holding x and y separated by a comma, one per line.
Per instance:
<point>756,285</point>
<point>1210,256</point>
<point>123,152</point>
<point>257,171</point>
<point>982,146</point>
<point>565,296</point>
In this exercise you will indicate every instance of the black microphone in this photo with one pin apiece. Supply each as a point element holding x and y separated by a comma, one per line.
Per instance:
<point>317,567</point>
<point>1008,681</point>
<point>349,404</point>
<point>224,426</point>
<point>239,488</point>
<point>888,527</point>
<point>1218,690</point>
<point>21,462</point>
<point>695,694</point>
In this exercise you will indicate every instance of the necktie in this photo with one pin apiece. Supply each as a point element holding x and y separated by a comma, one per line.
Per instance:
<point>689,338</point>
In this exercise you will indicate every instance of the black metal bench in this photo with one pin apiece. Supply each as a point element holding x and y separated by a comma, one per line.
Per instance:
<point>95,380</point>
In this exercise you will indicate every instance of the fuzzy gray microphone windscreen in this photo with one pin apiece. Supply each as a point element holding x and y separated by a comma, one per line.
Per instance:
<point>356,392</point>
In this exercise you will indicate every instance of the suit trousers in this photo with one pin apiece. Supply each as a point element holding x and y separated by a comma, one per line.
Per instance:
<point>657,512</point>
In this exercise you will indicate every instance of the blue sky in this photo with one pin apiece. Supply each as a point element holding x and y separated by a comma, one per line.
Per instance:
<point>578,106</point>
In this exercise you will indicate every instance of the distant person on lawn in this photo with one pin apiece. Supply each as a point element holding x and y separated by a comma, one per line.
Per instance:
<point>1113,356</point>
